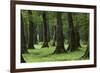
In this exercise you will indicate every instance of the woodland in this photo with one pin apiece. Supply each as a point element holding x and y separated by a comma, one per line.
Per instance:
<point>54,36</point>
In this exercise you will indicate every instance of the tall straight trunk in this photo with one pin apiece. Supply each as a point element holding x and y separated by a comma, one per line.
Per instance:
<point>35,35</point>
<point>77,34</point>
<point>45,33</point>
<point>59,35</point>
<point>41,32</point>
<point>77,38</point>
<point>31,30</point>
<point>54,36</point>
<point>23,41</point>
<point>72,38</point>
<point>48,31</point>
<point>26,34</point>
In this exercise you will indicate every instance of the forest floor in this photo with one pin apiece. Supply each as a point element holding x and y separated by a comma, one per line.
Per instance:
<point>46,54</point>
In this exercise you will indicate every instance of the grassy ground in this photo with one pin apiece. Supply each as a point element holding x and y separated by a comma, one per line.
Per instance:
<point>45,54</point>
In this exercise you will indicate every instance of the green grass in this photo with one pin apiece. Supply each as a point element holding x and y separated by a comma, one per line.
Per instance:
<point>46,54</point>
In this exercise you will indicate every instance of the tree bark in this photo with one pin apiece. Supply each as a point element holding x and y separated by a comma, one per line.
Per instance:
<point>59,35</point>
<point>54,36</point>
<point>45,33</point>
<point>35,36</point>
<point>31,30</point>
<point>23,41</point>
<point>77,37</point>
<point>72,36</point>
<point>48,31</point>
<point>77,34</point>
<point>41,32</point>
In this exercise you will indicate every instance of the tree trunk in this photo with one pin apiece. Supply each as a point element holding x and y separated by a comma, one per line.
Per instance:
<point>54,36</point>
<point>72,38</point>
<point>35,36</point>
<point>26,33</point>
<point>48,31</point>
<point>77,35</point>
<point>77,38</point>
<point>31,30</point>
<point>45,33</point>
<point>86,54</point>
<point>23,41</point>
<point>22,59</point>
<point>59,35</point>
<point>41,32</point>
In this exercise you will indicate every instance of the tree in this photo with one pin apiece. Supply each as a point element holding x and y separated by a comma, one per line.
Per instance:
<point>73,36</point>
<point>77,37</point>
<point>38,30</point>
<point>41,32</point>
<point>26,24</point>
<point>23,41</point>
<point>22,59</point>
<point>31,30</point>
<point>86,54</point>
<point>45,33</point>
<point>76,21</point>
<point>48,32</point>
<point>84,26</point>
<point>52,26</point>
<point>59,35</point>
<point>54,35</point>
<point>35,34</point>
